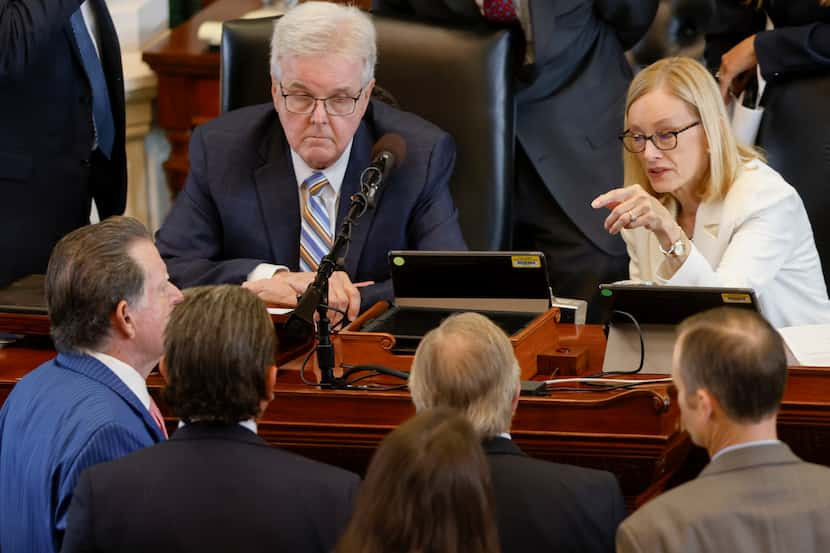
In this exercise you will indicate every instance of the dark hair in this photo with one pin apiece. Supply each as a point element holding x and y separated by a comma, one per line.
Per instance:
<point>90,271</point>
<point>427,491</point>
<point>738,357</point>
<point>218,345</point>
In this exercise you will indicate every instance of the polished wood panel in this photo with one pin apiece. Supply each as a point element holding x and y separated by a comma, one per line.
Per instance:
<point>635,434</point>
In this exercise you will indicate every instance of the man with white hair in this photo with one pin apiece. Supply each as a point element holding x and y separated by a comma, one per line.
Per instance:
<point>270,184</point>
<point>467,363</point>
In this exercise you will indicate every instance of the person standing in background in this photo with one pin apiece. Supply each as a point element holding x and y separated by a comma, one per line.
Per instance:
<point>569,110</point>
<point>794,58</point>
<point>61,126</point>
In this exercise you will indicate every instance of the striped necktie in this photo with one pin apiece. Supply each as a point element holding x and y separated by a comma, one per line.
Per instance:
<point>315,234</point>
<point>102,118</point>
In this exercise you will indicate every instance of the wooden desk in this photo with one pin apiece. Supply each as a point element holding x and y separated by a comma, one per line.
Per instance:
<point>188,80</point>
<point>635,434</point>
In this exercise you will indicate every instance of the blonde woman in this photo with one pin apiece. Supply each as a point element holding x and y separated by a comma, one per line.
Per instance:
<point>699,209</point>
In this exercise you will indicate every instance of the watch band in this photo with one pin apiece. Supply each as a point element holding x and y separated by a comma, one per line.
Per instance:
<point>677,248</point>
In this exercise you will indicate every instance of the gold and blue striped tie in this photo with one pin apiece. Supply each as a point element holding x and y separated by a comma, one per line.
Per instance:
<point>315,233</point>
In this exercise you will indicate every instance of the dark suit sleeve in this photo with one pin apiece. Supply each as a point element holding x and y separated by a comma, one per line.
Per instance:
<point>190,240</point>
<point>793,50</point>
<point>79,526</point>
<point>731,22</point>
<point>433,222</point>
<point>630,19</point>
<point>27,27</point>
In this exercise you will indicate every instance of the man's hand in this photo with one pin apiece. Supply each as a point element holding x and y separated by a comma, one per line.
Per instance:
<point>285,286</point>
<point>737,61</point>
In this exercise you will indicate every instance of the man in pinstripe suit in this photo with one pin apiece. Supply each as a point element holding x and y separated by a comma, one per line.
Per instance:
<point>109,300</point>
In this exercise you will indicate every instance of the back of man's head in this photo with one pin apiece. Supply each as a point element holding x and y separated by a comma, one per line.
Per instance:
<point>325,28</point>
<point>738,357</point>
<point>467,363</point>
<point>90,271</point>
<point>218,348</point>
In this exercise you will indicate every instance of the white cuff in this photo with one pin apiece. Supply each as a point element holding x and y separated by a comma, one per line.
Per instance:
<point>265,270</point>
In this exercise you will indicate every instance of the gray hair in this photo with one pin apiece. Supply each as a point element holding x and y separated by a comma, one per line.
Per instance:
<point>325,28</point>
<point>467,363</point>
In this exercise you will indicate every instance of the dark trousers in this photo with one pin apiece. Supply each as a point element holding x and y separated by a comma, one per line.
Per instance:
<point>575,264</point>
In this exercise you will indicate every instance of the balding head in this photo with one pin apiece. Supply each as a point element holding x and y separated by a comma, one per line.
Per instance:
<point>738,357</point>
<point>467,363</point>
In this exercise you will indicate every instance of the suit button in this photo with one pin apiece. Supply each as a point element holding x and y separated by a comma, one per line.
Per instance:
<point>85,163</point>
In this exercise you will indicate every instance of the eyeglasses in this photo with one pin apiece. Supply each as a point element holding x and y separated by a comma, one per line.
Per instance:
<point>303,104</point>
<point>664,140</point>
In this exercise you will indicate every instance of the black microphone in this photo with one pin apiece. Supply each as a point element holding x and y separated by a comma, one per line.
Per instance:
<point>388,153</point>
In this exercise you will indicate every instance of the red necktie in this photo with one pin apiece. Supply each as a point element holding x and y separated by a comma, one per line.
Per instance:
<point>500,11</point>
<point>156,413</point>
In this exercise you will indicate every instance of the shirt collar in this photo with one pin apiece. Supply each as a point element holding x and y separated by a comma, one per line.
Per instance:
<point>334,173</point>
<point>249,424</point>
<point>743,446</point>
<point>128,375</point>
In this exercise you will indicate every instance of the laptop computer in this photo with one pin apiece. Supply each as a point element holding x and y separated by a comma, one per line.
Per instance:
<point>511,288</point>
<point>658,310</point>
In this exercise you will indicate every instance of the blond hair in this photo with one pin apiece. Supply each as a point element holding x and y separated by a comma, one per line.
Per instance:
<point>468,364</point>
<point>690,82</point>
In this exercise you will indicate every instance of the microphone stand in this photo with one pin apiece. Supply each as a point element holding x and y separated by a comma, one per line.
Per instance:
<point>316,295</point>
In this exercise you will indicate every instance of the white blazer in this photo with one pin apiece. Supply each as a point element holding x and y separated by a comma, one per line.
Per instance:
<point>758,237</point>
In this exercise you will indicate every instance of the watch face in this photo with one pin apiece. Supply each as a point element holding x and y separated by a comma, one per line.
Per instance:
<point>680,248</point>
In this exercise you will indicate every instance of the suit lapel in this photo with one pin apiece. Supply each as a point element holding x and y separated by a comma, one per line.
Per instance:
<point>279,198</point>
<point>358,160</point>
<point>95,370</point>
<point>708,227</point>
<point>748,457</point>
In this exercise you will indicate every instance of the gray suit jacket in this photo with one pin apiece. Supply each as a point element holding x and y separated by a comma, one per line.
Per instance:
<point>761,499</point>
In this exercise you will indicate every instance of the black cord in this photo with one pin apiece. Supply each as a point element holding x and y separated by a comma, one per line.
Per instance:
<point>343,383</point>
<point>344,319</point>
<point>642,347</point>
<point>598,387</point>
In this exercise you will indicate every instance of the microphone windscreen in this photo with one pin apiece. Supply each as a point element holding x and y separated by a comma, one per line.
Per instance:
<point>392,143</point>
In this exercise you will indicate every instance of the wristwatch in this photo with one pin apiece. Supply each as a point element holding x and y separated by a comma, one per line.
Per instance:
<point>677,248</point>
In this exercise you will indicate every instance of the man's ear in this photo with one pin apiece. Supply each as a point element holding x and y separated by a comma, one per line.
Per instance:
<point>270,381</point>
<point>707,404</point>
<point>122,321</point>
<point>516,395</point>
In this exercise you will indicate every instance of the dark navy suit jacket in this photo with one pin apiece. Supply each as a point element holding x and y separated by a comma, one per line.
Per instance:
<point>47,176</point>
<point>210,488</point>
<point>240,204</point>
<point>68,414</point>
<point>542,506</point>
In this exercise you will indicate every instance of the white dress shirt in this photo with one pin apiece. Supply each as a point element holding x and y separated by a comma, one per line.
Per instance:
<point>128,375</point>
<point>330,196</point>
<point>743,446</point>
